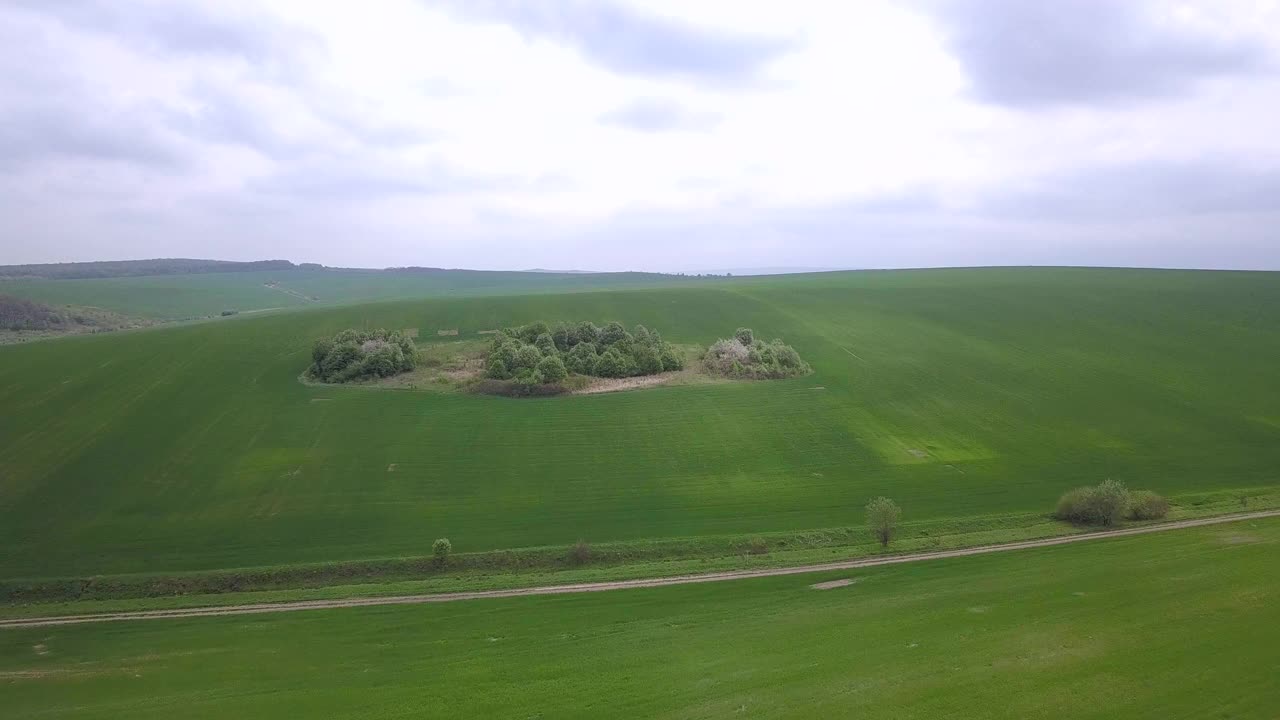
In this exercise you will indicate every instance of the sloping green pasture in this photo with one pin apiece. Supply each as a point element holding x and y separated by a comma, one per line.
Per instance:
<point>956,392</point>
<point>1182,624</point>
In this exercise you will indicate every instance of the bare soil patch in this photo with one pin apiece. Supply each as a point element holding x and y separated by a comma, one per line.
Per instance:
<point>447,332</point>
<point>832,584</point>
<point>604,385</point>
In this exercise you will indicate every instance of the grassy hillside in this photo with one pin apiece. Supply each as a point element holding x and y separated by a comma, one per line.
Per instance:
<point>1178,624</point>
<point>957,392</point>
<point>179,297</point>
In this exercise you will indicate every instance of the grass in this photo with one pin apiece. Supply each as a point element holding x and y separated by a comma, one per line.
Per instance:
<point>529,567</point>
<point>958,393</point>
<point>1178,624</point>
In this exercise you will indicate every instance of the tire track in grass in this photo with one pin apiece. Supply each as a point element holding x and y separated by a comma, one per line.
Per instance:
<point>259,608</point>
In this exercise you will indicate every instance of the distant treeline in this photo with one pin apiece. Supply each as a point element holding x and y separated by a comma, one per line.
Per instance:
<point>134,268</point>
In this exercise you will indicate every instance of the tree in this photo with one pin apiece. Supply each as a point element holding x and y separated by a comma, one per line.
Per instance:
<point>671,360</point>
<point>882,519</point>
<point>552,369</point>
<point>613,364</point>
<point>612,333</point>
<point>496,368</point>
<point>545,344</point>
<point>440,550</point>
<point>1111,502</point>
<point>745,336</point>
<point>588,332</point>
<point>565,336</point>
<point>582,358</point>
<point>527,358</point>
<point>530,332</point>
<point>648,362</point>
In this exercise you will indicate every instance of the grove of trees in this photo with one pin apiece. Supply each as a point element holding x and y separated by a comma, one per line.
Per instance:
<point>360,354</point>
<point>537,353</point>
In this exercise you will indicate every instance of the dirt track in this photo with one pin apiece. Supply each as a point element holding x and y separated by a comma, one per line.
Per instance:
<point>621,584</point>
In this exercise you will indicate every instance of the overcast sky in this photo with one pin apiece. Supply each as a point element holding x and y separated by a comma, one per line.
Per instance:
<point>656,135</point>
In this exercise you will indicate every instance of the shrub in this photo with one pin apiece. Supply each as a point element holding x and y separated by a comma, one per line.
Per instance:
<point>580,553</point>
<point>1104,504</point>
<point>227,313</point>
<point>1147,505</point>
<point>746,357</point>
<point>757,546</point>
<point>440,550</point>
<point>882,519</point>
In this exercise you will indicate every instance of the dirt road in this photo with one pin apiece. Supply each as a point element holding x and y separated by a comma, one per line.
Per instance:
<point>621,584</point>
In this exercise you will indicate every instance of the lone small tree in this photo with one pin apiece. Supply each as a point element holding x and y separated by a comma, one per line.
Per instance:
<point>440,550</point>
<point>882,519</point>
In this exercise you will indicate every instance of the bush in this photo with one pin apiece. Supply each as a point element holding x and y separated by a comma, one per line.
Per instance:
<point>440,550</point>
<point>757,546</point>
<point>1105,504</point>
<point>227,313</point>
<point>746,357</point>
<point>882,519</point>
<point>580,553</point>
<point>1146,505</point>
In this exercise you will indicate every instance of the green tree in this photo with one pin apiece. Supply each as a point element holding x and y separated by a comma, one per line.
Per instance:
<point>882,519</point>
<point>527,358</point>
<point>588,332</point>
<point>614,364</point>
<point>552,369</point>
<point>440,550</point>
<point>582,359</point>
<point>745,336</point>
<point>545,344</point>
<point>613,333</point>
<point>647,360</point>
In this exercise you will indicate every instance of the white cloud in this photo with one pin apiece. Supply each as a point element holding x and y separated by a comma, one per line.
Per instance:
<point>490,135</point>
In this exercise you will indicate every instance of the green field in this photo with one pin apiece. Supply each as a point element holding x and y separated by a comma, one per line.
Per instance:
<point>182,297</point>
<point>1182,624</point>
<point>959,393</point>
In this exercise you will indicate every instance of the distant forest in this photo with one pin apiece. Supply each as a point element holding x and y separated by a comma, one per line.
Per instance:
<point>134,268</point>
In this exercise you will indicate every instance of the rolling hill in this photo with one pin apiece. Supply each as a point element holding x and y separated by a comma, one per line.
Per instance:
<point>960,393</point>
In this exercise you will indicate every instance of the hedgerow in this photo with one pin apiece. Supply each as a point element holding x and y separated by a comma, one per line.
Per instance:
<point>360,354</point>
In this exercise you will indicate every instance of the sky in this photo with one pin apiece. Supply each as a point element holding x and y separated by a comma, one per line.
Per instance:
<point>660,135</point>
